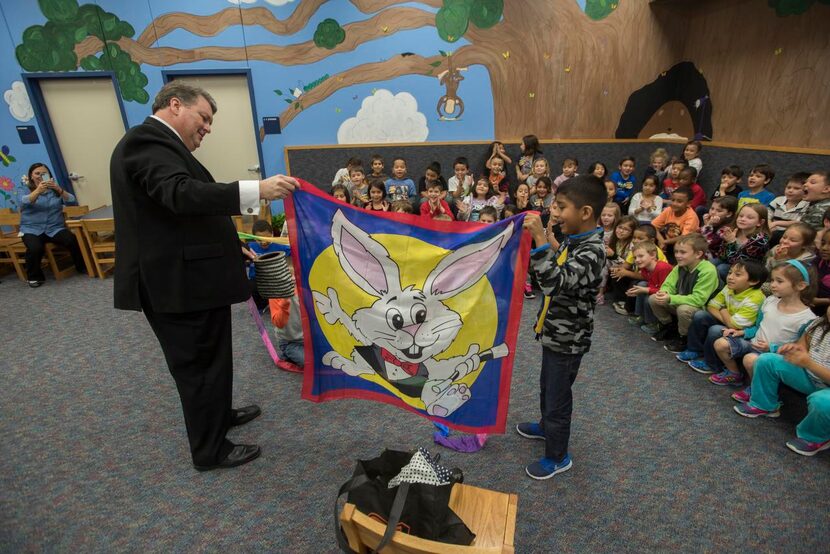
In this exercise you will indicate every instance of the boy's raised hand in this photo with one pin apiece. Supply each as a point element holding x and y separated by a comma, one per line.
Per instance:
<point>533,223</point>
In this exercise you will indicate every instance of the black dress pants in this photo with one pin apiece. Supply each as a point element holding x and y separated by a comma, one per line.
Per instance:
<point>36,247</point>
<point>198,350</point>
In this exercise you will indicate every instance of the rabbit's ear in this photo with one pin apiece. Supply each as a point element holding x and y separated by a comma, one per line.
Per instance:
<point>365,260</point>
<point>462,268</point>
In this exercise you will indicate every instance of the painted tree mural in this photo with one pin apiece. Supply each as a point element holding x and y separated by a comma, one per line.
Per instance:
<point>543,58</point>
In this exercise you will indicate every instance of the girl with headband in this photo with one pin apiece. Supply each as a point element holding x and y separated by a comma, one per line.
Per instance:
<point>781,320</point>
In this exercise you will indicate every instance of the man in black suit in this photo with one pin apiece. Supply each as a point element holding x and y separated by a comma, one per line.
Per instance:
<point>181,263</point>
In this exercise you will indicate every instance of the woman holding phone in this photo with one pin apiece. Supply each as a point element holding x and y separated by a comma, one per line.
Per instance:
<point>41,221</point>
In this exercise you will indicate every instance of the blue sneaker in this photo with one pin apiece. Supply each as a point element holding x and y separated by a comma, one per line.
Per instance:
<point>807,448</point>
<point>701,367</point>
<point>688,356</point>
<point>530,430</point>
<point>547,468</point>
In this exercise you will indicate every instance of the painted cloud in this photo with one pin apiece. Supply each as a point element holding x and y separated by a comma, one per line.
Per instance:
<point>384,117</point>
<point>18,100</point>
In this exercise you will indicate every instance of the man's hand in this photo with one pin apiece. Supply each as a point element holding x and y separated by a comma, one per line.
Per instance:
<point>278,186</point>
<point>248,254</point>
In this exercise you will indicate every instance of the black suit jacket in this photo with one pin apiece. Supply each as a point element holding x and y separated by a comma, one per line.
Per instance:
<point>173,232</point>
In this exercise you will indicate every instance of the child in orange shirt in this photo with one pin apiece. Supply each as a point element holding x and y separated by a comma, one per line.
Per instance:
<point>677,220</point>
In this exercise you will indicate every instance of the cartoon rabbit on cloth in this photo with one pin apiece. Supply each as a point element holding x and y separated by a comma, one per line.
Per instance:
<point>404,331</point>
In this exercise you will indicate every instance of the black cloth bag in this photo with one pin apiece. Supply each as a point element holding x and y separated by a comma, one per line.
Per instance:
<point>416,509</point>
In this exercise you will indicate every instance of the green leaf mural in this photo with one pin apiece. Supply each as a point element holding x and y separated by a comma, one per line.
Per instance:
<point>600,9</point>
<point>455,16</point>
<point>51,46</point>
<point>329,34</point>
<point>784,8</point>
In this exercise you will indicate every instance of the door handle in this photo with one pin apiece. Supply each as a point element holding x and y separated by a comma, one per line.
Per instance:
<point>254,168</point>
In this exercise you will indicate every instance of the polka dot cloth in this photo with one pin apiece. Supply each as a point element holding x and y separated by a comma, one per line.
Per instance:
<point>422,469</point>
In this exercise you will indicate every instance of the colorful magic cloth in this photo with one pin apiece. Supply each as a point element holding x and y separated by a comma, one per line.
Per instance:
<point>417,313</point>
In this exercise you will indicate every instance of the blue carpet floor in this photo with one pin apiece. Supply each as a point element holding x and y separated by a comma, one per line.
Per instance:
<point>95,458</point>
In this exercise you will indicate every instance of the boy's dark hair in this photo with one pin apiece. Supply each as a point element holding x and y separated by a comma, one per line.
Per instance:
<point>354,162</point>
<point>800,177</point>
<point>461,160</point>
<point>648,229</point>
<point>355,169</point>
<point>573,161</point>
<point>436,167</point>
<point>692,172</point>
<point>685,191</point>
<point>628,159</point>
<point>376,157</point>
<point>733,170</point>
<point>683,161</point>
<point>531,145</point>
<point>755,270</point>
<point>512,208</point>
<point>766,170</point>
<point>490,210</point>
<point>435,185</point>
<point>697,241</point>
<point>585,190</point>
<point>262,226</point>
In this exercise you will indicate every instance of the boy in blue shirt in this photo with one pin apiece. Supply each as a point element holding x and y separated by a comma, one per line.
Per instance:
<point>759,178</point>
<point>399,186</point>
<point>569,277</point>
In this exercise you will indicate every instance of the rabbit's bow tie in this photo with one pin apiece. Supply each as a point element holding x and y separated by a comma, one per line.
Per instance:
<point>408,367</point>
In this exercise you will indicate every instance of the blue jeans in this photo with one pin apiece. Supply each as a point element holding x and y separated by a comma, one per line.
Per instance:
<point>772,370</point>
<point>641,306</point>
<point>556,400</point>
<point>703,332</point>
<point>292,351</point>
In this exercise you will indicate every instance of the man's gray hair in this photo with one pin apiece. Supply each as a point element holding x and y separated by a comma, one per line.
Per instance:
<point>188,95</point>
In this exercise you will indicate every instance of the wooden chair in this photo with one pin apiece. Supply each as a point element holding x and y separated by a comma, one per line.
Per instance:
<point>100,237</point>
<point>75,211</point>
<point>12,248</point>
<point>489,514</point>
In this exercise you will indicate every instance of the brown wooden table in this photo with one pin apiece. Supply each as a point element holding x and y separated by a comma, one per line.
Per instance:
<point>74,225</point>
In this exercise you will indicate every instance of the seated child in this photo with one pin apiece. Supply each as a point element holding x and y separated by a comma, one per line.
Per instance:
<point>805,366</point>
<point>817,193</point>
<point>730,178</point>
<point>399,186</point>
<point>377,169</point>
<point>540,168</point>
<point>261,228</point>
<point>377,197</point>
<point>670,183</point>
<point>461,182</point>
<point>748,240</point>
<point>542,198</point>
<point>342,176</point>
<point>610,189</point>
<point>822,267</point>
<point>402,207</point>
<point>678,220</point>
<point>653,271</point>
<point>488,215</point>
<point>691,153</point>
<point>498,178</point>
<point>658,166</point>
<point>646,204</point>
<point>759,178</point>
<point>721,216</point>
<point>434,205</point>
<point>686,290</point>
<point>341,192</point>
<point>782,319</point>
<point>598,169</point>
<point>735,307</point>
<point>569,278</point>
<point>285,315</point>
<point>687,178</point>
<point>629,270</point>
<point>522,198</point>
<point>432,174</point>
<point>469,209</point>
<point>569,168</point>
<point>358,188</point>
<point>787,209</point>
<point>624,182</point>
<point>615,255</point>
<point>796,244</point>
<point>608,219</point>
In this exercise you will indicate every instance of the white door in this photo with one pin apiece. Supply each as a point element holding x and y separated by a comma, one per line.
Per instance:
<point>86,117</point>
<point>229,152</point>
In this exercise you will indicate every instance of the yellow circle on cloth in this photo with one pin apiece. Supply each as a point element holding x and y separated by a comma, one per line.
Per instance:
<point>476,305</point>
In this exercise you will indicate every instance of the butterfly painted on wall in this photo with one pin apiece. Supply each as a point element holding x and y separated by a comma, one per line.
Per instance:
<point>6,157</point>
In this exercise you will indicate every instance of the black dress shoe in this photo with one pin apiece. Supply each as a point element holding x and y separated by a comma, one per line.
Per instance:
<point>241,454</point>
<point>241,416</point>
